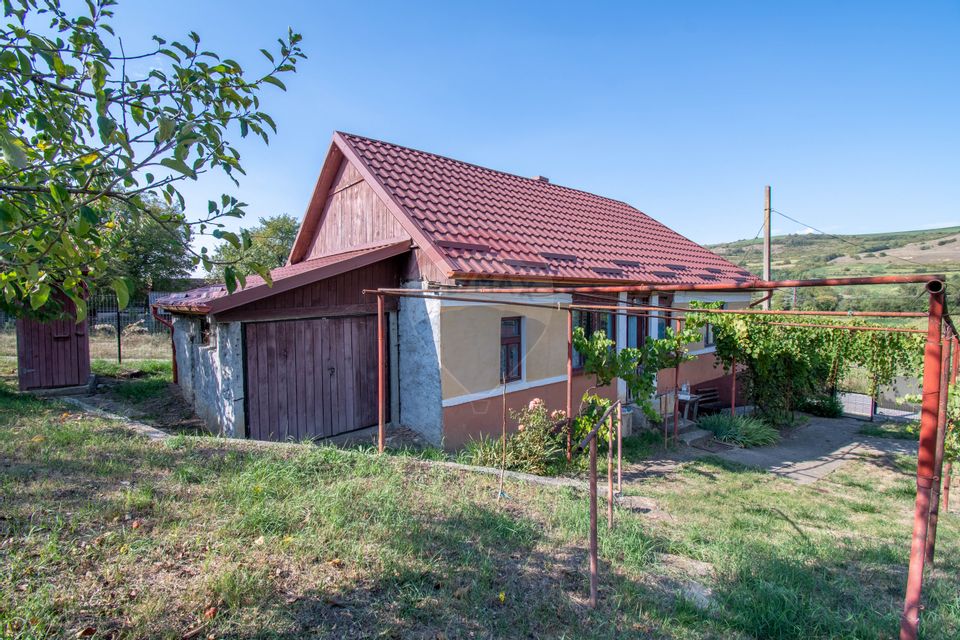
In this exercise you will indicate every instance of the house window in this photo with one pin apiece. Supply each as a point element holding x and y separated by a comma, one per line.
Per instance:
<point>665,318</point>
<point>205,332</point>
<point>591,322</point>
<point>637,328</point>
<point>709,337</point>
<point>511,347</point>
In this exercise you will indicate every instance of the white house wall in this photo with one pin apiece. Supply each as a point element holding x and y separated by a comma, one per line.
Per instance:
<point>210,377</point>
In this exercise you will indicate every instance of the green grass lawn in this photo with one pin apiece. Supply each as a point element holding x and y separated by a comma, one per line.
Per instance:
<point>106,533</point>
<point>898,430</point>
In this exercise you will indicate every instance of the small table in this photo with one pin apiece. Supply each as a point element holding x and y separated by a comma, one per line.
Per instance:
<point>689,399</point>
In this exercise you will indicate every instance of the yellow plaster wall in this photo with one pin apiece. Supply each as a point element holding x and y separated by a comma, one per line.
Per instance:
<point>470,346</point>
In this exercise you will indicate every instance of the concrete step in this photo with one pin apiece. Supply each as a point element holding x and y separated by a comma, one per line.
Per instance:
<point>689,435</point>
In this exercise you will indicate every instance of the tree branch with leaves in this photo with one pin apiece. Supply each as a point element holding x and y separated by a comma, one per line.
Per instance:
<point>87,147</point>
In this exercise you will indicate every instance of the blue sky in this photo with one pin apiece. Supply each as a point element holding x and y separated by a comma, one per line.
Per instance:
<point>684,110</point>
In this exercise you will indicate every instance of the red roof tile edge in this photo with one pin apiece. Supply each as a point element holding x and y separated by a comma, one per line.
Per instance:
<point>215,298</point>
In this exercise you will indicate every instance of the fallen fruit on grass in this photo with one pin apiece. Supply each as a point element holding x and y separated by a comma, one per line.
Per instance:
<point>210,613</point>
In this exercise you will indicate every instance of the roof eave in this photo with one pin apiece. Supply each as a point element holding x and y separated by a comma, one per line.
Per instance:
<point>252,294</point>
<point>464,275</point>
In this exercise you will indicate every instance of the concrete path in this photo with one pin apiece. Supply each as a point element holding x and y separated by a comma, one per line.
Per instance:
<point>804,455</point>
<point>818,448</point>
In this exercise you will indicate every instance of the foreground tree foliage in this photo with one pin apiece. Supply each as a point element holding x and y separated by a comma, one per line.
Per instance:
<point>87,143</point>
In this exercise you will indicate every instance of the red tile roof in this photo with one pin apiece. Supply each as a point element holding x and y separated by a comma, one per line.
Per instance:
<point>490,224</point>
<point>215,298</point>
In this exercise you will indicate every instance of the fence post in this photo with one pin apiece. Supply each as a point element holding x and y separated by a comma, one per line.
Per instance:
<point>119,330</point>
<point>938,455</point>
<point>593,522</point>
<point>910,620</point>
<point>620,449</point>
<point>610,471</point>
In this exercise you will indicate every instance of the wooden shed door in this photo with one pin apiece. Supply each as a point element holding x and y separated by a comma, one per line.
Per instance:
<point>52,354</point>
<point>312,378</point>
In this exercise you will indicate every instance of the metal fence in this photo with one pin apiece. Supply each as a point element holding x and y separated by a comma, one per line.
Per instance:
<point>115,334</point>
<point>104,314</point>
<point>890,403</point>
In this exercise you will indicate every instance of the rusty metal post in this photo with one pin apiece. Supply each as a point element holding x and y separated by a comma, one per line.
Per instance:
<point>594,561</point>
<point>733,390</point>
<point>569,385</point>
<point>931,541</point>
<point>610,471</point>
<point>620,449</point>
<point>381,418</point>
<point>910,620</point>
<point>676,403</point>
<point>947,478</point>
<point>948,471</point>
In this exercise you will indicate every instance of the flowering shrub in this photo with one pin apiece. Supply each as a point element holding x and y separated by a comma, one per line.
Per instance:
<point>537,446</point>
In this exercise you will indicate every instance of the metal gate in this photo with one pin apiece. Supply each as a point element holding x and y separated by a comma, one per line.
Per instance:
<point>312,378</point>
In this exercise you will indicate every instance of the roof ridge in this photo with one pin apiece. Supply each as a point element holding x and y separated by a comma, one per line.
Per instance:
<point>498,171</point>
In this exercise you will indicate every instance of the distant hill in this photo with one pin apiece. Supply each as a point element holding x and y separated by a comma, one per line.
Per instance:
<point>817,255</point>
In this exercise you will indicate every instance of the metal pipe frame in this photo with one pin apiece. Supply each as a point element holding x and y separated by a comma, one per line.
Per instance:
<point>746,285</point>
<point>154,311</point>
<point>910,620</point>
<point>933,390</point>
<point>847,327</point>
<point>931,541</point>
<point>381,377</point>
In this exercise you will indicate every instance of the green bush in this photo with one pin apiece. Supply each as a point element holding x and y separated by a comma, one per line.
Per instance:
<point>744,431</point>
<point>537,446</point>
<point>823,406</point>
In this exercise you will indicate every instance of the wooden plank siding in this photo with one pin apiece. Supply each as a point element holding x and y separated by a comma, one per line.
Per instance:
<point>353,215</point>
<point>52,354</point>
<point>310,355</point>
<point>339,295</point>
<point>310,378</point>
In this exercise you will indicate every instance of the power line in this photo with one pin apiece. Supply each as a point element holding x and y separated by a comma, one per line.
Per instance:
<point>842,239</point>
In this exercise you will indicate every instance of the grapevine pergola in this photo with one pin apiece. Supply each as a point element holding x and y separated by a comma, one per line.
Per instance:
<point>941,338</point>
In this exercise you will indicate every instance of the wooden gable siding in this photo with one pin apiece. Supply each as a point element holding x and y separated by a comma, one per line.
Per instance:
<point>353,216</point>
<point>339,295</point>
<point>421,267</point>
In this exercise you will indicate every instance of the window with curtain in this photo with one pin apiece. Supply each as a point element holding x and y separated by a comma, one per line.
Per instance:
<point>511,348</point>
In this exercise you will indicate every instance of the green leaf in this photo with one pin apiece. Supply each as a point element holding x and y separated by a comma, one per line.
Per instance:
<point>230,278</point>
<point>119,286</point>
<point>179,166</point>
<point>274,81</point>
<point>12,152</point>
<point>39,297</point>
<point>165,128</point>
<point>59,193</point>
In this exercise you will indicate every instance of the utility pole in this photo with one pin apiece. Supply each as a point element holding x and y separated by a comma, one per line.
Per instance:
<point>766,241</point>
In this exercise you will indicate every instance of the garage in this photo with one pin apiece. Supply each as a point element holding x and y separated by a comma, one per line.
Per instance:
<point>310,378</point>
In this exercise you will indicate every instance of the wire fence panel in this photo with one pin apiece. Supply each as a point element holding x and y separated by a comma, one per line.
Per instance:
<point>857,405</point>
<point>115,334</point>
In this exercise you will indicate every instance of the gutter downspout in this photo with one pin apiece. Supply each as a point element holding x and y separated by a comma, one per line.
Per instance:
<point>173,349</point>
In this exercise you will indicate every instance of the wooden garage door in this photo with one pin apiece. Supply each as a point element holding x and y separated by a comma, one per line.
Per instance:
<point>312,378</point>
